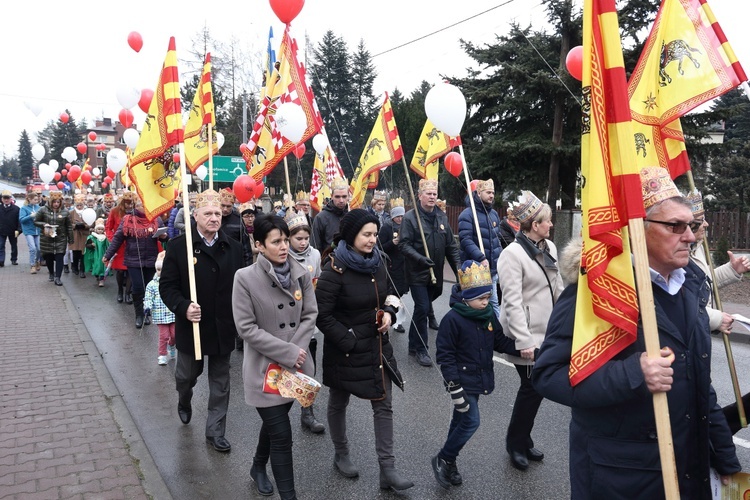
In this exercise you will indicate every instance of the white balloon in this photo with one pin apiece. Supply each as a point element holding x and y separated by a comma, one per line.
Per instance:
<point>69,154</point>
<point>46,173</point>
<point>219,140</point>
<point>77,191</point>
<point>201,172</point>
<point>54,164</point>
<point>91,183</point>
<point>89,216</point>
<point>34,107</point>
<point>320,143</point>
<point>96,171</point>
<point>116,159</point>
<point>131,136</point>
<point>38,152</point>
<point>291,120</point>
<point>128,96</point>
<point>445,106</point>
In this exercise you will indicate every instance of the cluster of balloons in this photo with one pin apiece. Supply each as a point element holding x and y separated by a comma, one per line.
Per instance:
<point>48,172</point>
<point>245,188</point>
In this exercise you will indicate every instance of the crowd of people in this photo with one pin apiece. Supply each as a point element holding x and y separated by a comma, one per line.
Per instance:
<point>272,284</point>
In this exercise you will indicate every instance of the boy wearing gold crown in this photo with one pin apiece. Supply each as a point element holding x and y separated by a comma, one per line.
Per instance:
<point>468,335</point>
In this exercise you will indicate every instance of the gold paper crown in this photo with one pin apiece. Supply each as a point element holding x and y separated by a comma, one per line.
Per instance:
<point>55,195</point>
<point>192,196</point>
<point>397,202</point>
<point>339,183</point>
<point>208,198</point>
<point>425,184</point>
<point>474,276</point>
<point>440,204</point>
<point>108,197</point>
<point>296,221</point>
<point>380,195</point>
<point>527,207</point>
<point>485,185</point>
<point>302,196</point>
<point>657,186</point>
<point>226,197</point>
<point>696,201</point>
<point>79,198</point>
<point>247,206</point>
<point>128,196</point>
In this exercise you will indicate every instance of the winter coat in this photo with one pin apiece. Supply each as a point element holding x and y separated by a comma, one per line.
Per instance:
<point>354,353</point>
<point>214,276</point>
<point>136,233</point>
<point>382,217</point>
<point>232,226</point>
<point>9,222</point>
<point>275,323</point>
<point>529,291</point>
<point>26,216</point>
<point>396,260</point>
<point>93,252</point>
<point>725,275</point>
<point>152,302</point>
<point>440,243</point>
<point>249,251</point>
<point>310,260</point>
<point>171,232</point>
<point>110,228</point>
<point>507,232</point>
<point>326,225</point>
<point>464,349</point>
<point>614,450</point>
<point>489,227</point>
<point>81,231</point>
<point>64,231</point>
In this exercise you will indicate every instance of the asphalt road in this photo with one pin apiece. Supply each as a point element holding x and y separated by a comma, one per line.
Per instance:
<point>193,470</point>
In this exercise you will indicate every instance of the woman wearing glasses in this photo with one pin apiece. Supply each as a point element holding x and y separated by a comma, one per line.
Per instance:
<point>530,284</point>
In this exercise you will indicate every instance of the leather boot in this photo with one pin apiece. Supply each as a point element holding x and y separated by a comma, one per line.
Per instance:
<point>259,475</point>
<point>345,465</point>
<point>66,269</point>
<point>120,298</point>
<point>390,478</point>
<point>307,419</point>
<point>138,305</point>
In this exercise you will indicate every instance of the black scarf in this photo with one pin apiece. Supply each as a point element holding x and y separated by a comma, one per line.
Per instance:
<point>533,249</point>
<point>429,217</point>
<point>356,261</point>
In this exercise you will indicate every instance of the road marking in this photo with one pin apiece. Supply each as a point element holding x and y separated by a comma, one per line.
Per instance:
<point>498,359</point>
<point>741,442</point>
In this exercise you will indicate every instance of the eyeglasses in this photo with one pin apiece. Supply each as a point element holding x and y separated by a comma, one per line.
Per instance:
<point>680,227</point>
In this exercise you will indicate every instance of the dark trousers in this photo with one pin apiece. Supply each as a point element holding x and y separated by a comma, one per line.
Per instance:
<point>275,441</point>
<point>524,412</point>
<point>422,296</point>
<point>186,373</point>
<point>54,262</point>
<point>78,261</point>
<point>462,427</point>
<point>733,416</point>
<point>140,276</point>
<point>13,247</point>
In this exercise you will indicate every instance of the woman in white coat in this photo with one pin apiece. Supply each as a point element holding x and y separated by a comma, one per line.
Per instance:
<point>530,283</point>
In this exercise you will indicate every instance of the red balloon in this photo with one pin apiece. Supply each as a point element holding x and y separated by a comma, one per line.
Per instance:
<point>110,178</point>
<point>101,146</point>
<point>74,173</point>
<point>92,136</point>
<point>259,188</point>
<point>244,188</point>
<point>473,184</point>
<point>243,147</point>
<point>299,150</point>
<point>86,177</point>
<point>65,170</point>
<point>574,62</point>
<point>135,41</point>
<point>82,148</point>
<point>60,185</point>
<point>110,173</point>
<point>64,117</point>
<point>453,163</point>
<point>176,157</point>
<point>145,101</point>
<point>126,118</point>
<point>58,176</point>
<point>286,10</point>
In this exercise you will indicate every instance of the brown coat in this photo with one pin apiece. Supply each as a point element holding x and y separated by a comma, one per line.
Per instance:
<point>274,324</point>
<point>79,235</point>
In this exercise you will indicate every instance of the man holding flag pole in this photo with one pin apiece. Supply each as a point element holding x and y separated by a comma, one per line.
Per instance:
<point>634,367</point>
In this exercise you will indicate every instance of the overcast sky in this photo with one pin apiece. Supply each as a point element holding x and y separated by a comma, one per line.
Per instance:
<point>75,55</point>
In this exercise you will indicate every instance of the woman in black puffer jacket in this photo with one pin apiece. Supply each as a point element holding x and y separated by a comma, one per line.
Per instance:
<point>357,357</point>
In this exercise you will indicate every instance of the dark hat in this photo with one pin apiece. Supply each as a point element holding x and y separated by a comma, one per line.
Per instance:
<point>352,222</point>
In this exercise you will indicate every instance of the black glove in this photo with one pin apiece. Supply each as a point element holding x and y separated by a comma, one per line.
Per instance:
<point>426,263</point>
<point>458,396</point>
<point>79,225</point>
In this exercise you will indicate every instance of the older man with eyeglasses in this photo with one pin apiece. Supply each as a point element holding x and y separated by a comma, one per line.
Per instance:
<point>614,450</point>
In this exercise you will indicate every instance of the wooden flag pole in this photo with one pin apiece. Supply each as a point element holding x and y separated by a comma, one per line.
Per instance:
<point>433,280</point>
<point>210,158</point>
<point>189,249</point>
<point>653,350</point>
<point>288,185</point>
<point>471,200</point>
<point>725,336</point>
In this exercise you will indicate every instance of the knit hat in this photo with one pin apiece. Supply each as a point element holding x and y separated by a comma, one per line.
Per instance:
<point>99,223</point>
<point>657,186</point>
<point>475,280</point>
<point>352,222</point>
<point>397,212</point>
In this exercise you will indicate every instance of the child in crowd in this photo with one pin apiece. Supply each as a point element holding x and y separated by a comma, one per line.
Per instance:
<point>93,251</point>
<point>161,315</point>
<point>466,339</point>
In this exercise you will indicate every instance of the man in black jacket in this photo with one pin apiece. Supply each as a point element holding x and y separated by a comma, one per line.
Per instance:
<point>9,224</point>
<point>216,257</point>
<point>231,223</point>
<point>420,268</point>
<point>326,223</point>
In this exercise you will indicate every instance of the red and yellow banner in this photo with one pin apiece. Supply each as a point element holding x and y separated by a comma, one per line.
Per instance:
<point>432,146</point>
<point>201,116</point>
<point>607,305</point>
<point>325,169</point>
<point>154,173</point>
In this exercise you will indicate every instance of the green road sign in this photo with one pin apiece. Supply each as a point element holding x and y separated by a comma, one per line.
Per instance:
<point>227,168</point>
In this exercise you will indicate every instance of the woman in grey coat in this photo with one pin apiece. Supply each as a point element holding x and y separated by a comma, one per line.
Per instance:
<point>274,309</point>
